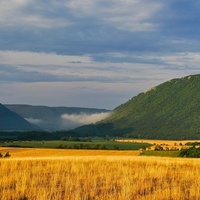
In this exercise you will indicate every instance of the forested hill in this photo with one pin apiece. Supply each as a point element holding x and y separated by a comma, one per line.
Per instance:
<point>168,111</point>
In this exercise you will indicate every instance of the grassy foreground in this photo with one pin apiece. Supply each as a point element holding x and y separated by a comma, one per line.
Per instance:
<point>93,175</point>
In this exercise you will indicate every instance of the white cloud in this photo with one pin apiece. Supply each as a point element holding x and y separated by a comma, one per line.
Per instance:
<point>85,118</point>
<point>174,62</point>
<point>16,13</point>
<point>186,59</point>
<point>9,11</point>
<point>34,121</point>
<point>130,15</point>
<point>40,67</point>
<point>134,15</point>
<point>32,58</point>
<point>70,68</point>
<point>7,6</point>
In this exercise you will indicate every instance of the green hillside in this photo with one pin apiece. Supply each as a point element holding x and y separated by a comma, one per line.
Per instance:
<point>169,111</point>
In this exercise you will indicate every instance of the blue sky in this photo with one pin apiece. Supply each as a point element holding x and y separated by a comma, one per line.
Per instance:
<point>94,53</point>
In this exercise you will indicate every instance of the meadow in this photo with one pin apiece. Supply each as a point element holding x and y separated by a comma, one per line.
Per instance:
<point>93,144</point>
<point>96,175</point>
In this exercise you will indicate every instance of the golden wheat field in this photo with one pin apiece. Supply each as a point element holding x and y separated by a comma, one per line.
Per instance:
<point>166,144</point>
<point>38,174</point>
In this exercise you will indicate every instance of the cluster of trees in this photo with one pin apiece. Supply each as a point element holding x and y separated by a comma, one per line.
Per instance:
<point>77,139</point>
<point>70,135</point>
<point>192,152</point>
<point>161,148</point>
<point>35,135</point>
<point>87,146</point>
<point>192,143</point>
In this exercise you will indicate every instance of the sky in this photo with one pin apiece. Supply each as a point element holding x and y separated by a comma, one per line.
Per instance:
<point>94,53</point>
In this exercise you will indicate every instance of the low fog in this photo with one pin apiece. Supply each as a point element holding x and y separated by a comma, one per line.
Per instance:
<point>67,121</point>
<point>34,121</point>
<point>85,118</point>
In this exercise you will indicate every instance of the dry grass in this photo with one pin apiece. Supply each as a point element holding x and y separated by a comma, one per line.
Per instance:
<point>98,177</point>
<point>36,152</point>
<point>166,144</point>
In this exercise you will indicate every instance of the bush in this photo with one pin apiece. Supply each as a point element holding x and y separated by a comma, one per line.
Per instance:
<point>60,146</point>
<point>158,148</point>
<point>73,139</point>
<point>23,198</point>
<point>192,143</point>
<point>7,155</point>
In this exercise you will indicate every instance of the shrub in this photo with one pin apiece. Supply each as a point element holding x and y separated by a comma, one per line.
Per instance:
<point>73,139</point>
<point>23,198</point>
<point>158,148</point>
<point>7,155</point>
<point>60,146</point>
<point>97,146</point>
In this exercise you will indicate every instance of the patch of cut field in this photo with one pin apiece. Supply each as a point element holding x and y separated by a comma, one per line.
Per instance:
<point>166,144</point>
<point>35,152</point>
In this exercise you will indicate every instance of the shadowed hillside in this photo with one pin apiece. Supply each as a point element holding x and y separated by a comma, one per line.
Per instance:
<point>12,121</point>
<point>169,111</point>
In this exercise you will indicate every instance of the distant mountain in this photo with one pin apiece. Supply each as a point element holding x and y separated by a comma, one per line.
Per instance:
<point>168,111</point>
<point>10,121</point>
<point>58,118</point>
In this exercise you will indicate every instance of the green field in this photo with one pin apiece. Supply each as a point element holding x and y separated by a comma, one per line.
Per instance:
<point>94,144</point>
<point>161,153</point>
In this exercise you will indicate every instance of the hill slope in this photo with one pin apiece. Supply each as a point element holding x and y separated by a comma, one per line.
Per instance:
<point>11,121</point>
<point>169,111</point>
<point>56,118</point>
